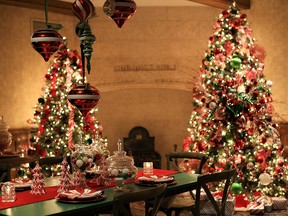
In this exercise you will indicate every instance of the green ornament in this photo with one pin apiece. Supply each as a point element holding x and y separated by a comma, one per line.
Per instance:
<point>41,100</point>
<point>236,62</point>
<point>236,188</point>
<point>20,172</point>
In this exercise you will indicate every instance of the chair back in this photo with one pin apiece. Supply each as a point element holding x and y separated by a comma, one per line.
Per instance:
<point>5,172</point>
<point>122,200</point>
<point>202,182</point>
<point>173,162</point>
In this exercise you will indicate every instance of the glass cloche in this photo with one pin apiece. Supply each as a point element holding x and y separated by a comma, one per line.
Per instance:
<point>119,167</point>
<point>5,136</point>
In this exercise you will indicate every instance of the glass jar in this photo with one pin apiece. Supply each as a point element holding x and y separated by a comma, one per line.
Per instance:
<point>81,160</point>
<point>119,167</point>
<point>5,136</point>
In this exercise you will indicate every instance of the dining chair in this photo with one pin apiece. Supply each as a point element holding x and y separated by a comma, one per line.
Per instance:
<point>5,172</point>
<point>122,200</point>
<point>203,182</point>
<point>179,202</point>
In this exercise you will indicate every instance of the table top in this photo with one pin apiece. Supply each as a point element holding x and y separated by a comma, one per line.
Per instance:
<point>184,181</point>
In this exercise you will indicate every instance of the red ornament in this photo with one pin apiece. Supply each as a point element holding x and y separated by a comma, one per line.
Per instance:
<point>119,10</point>
<point>46,42</point>
<point>225,14</point>
<point>84,97</point>
<point>83,9</point>
<point>235,23</point>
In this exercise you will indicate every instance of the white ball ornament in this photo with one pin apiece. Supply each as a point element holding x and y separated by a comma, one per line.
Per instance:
<point>265,178</point>
<point>114,172</point>
<point>269,83</point>
<point>241,89</point>
<point>125,170</point>
<point>79,163</point>
<point>90,160</point>
<point>85,159</point>
<point>212,105</point>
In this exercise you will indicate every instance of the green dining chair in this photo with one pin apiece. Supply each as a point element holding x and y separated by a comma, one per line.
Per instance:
<point>5,172</point>
<point>121,201</point>
<point>203,182</point>
<point>179,203</point>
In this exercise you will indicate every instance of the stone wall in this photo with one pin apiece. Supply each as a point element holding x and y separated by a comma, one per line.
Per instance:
<point>145,70</point>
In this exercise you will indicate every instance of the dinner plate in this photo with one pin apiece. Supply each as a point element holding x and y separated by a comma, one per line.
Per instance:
<point>96,199</point>
<point>21,186</point>
<point>156,179</point>
<point>153,184</point>
<point>75,195</point>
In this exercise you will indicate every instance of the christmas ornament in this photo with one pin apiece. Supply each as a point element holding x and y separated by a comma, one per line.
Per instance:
<point>46,42</point>
<point>236,62</point>
<point>119,10</point>
<point>269,83</point>
<point>236,188</point>
<point>84,97</point>
<point>83,9</point>
<point>265,178</point>
<point>87,39</point>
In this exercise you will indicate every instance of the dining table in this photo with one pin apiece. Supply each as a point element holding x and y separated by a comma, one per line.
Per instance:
<point>183,182</point>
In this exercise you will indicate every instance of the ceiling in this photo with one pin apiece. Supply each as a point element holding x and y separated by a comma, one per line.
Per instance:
<point>64,6</point>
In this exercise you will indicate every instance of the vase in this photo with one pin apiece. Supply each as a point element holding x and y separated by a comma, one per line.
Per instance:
<point>119,167</point>
<point>5,136</point>
<point>81,160</point>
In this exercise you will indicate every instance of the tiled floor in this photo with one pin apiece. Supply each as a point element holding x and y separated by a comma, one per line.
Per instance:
<point>138,210</point>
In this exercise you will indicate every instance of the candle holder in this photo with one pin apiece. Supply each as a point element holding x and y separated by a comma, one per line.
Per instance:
<point>147,168</point>
<point>8,192</point>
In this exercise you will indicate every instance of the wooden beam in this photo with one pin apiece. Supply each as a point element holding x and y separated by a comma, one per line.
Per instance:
<point>224,4</point>
<point>55,6</point>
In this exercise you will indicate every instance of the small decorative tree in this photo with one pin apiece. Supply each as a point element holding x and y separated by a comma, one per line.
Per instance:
<point>65,181</point>
<point>38,185</point>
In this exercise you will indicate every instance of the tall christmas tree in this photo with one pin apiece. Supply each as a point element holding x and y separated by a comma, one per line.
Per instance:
<point>232,118</point>
<point>59,125</point>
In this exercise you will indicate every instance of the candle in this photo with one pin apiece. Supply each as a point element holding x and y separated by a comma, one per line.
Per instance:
<point>147,168</point>
<point>8,192</point>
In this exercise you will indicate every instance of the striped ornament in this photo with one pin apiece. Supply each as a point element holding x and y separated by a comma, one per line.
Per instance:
<point>83,9</point>
<point>46,42</point>
<point>84,97</point>
<point>119,10</point>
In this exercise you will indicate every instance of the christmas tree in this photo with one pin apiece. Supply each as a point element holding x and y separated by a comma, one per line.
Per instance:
<point>232,118</point>
<point>60,125</point>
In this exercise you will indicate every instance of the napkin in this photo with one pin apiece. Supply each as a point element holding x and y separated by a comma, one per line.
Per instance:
<point>74,194</point>
<point>19,183</point>
<point>156,179</point>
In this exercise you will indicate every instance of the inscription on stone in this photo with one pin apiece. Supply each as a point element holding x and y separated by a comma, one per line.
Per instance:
<point>145,67</point>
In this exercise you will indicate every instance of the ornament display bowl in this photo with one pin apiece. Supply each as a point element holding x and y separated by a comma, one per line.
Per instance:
<point>81,160</point>
<point>5,136</point>
<point>5,141</point>
<point>119,168</point>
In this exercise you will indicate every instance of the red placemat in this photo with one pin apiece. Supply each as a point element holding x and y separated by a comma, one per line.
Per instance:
<point>24,197</point>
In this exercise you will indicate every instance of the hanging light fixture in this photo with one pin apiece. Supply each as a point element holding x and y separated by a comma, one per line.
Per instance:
<point>119,10</point>
<point>46,41</point>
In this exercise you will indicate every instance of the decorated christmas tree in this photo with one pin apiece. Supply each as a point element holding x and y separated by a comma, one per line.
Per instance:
<point>232,118</point>
<point>60,125</point>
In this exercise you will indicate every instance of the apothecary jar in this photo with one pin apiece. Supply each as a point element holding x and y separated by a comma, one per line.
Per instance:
<point>5,136</point>
<point>119,167</point>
